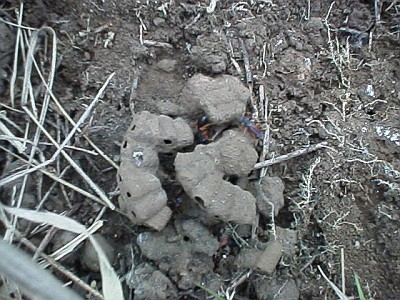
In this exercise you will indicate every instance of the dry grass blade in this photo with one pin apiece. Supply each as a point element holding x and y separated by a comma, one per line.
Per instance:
<point>112,288</point>
<point>4,117</point>
<point>52,176</point>
<point>12,138</point>
<point>333,286</point>
<point>101,194</point>
<point>15,64</point>
<point>36,282</point>
<point>56,220</point>
<point>87,112</point>
<point>263,103</point>
<point>60,268</point>
<point>39,122</point>
<point>72,122</point>
<point>111,285</point>
<point>71,245</point>
<point>30,60</point>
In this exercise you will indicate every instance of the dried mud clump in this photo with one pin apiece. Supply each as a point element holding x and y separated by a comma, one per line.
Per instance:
<point>208,175</point>
<point>223,99</point>
<point>272,200</point>
<point>183,250</point>
<point>201,174</point>
<point>263,261</point>
<point>150,283</point>
<point>210,53</point>
<point>142,197</point>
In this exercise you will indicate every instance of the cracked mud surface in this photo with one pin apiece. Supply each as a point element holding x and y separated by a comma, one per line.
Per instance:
<point>194,218</point>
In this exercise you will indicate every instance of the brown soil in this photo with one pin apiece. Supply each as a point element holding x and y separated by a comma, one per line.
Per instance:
<point>340,85</point>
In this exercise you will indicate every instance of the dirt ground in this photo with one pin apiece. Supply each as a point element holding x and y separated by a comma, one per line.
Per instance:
<point>331,73</point>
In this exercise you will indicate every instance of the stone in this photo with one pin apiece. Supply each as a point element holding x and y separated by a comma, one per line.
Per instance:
<point>273,188</point>
<point>60,240</point>
<point>288,240</point>
<point>201,239</point>
<point>167,65</point>
<point>89,256</point>
<point>210,53</point>
<point>192,167</point>
<point>237,155</point>
<point>161,133</point>
<point>159,21</point>
<point>169,108</point>
<point>160,219</point>
<point>277,289</point>
<point>142,195</point>
<point>213,63</point>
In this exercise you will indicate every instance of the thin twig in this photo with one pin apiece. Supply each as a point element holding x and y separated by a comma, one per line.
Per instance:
<point>291,155</point>
<point>342,270</point>
<point>157,44</point>
<point>17,25</point>
<point>133,94</point>
<point>246,60</point>
<point>211,7</point>
<point>377,10</point>
<point>249,76</point>
<point>264,113</point>
<point>308,10</point>
<point>336,59</point>
<point>264,198</point>
<point>238,280</point>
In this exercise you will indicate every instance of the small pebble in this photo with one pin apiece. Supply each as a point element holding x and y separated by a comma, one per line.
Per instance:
<point>89,256</point>
<point>159,22</point>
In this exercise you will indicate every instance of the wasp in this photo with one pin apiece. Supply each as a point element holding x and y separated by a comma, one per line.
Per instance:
<point>202,133</point>
<point>252,126</point>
